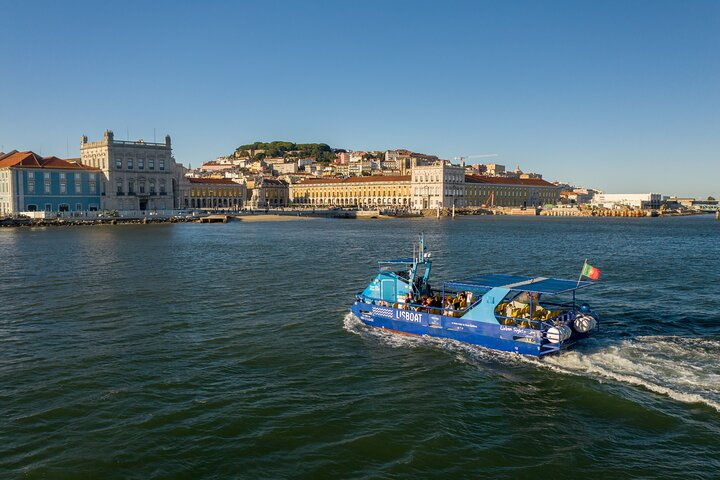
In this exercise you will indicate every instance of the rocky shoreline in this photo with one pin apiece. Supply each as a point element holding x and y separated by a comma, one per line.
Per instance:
<point>28,222</point>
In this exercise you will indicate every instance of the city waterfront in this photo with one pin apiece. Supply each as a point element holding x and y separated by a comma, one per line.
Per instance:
<point>189,351</point>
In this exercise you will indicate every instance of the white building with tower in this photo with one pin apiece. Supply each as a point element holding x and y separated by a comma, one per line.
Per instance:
<point>437,185</point>
<point>137,175</point>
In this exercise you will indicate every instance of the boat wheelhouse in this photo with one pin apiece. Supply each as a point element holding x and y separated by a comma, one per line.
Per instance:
<point>521,314</point>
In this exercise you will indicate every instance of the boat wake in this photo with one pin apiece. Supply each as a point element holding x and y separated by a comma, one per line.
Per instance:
<point>683,368</point>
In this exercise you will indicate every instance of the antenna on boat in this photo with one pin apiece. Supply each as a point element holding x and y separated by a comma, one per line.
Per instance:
<point>422,246</point>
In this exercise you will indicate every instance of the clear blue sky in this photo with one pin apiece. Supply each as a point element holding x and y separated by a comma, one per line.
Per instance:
<point>622,96</point>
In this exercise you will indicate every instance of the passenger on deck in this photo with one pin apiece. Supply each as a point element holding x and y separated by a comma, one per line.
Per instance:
<point>436,301</point>
<point>456,305</point>
<point>422,303</point>
<point>428,304</point>
<point>524,300</point>
<point>463,302</point>
<point>408,301</point>
<point>436,304</point>
<point>470,296</point>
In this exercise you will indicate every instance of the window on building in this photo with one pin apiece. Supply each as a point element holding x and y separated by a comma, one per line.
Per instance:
<point>130,163</point>
<point>151,163</point>
<point>119,186</point>
<point>78,186</point>
<point>93,207</point>
<point>64,207</point>
<point>63,186</point>
<point>31,183</point>
<point>78,207</point>
<point>32,208</point>
<point>47,183</point>
<point>131,187</point>
<point>161,164</point>
<point>162,187</point>
<point>142,187</point>
<point>48,207</point>
<point>152,187</point>
<point>93,183</point>
<point>118,163</point>
<point>141,163</point>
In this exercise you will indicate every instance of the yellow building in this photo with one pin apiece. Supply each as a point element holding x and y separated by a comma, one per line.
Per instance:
<point>374,191</point>
<point>216,193</point>
<point>267,193</point>
<point>509,192</point>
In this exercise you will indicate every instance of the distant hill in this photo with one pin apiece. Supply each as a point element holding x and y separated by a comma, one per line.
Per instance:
<point>320,152</point>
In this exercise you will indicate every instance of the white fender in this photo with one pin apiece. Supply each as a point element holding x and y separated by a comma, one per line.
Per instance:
<point>584,323</point>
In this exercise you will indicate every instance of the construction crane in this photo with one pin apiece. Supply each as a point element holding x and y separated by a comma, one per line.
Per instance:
<point>467,157</point>
<point>490,202</point>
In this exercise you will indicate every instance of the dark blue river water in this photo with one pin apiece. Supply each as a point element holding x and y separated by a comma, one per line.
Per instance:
<point>227,351</point>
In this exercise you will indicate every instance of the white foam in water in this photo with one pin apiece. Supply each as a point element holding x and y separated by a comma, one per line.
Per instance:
<point>685,369</point>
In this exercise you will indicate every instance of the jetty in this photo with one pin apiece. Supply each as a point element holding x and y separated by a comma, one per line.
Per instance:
<point>214,219</point>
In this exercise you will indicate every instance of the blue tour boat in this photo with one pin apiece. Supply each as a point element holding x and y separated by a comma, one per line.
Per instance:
<point>525,315</point>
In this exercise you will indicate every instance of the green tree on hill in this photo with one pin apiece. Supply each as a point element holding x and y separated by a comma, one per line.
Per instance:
<point>320,152</point>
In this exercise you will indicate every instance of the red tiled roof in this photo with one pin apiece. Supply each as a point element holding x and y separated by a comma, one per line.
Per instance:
<point>372,179</point>
<point>219,181</point>
<point>5,155</point>
<point>532,182</point>
<point>33,160</point>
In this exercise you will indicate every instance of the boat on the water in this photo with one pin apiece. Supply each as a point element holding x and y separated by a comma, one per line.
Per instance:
<point>526,315</point>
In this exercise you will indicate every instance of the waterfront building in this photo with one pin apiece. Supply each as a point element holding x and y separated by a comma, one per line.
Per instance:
<point>137,175</point>
<point>675,202</point>
<point>633,200</point>
<point>437,185</point>
<point>509,191</point>
<point>374,191</point>
<point>265,192</point>
<point>216,193</point>
<point>29,182</point>
<point>576,196</point>
<point>706,205</point>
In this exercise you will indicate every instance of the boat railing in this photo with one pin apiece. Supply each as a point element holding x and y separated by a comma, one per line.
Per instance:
<point>448,312</point>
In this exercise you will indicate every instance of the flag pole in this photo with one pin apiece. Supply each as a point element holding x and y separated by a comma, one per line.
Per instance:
<point>581,272</point>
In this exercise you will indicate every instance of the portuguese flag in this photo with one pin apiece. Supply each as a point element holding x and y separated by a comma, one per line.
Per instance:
<point>589,271</point>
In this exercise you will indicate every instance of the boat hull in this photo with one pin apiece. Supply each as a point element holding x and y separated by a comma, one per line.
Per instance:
<point>524,341</point>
